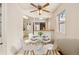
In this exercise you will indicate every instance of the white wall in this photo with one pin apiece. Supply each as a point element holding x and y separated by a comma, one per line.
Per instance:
<point>72,28</point>
<point>57,34</point>
<point>68,42</point>
<point>14,27</point>
<point>72,17</point>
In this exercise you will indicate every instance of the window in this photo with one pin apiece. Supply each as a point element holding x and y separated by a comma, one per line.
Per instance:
<point>61,21</point>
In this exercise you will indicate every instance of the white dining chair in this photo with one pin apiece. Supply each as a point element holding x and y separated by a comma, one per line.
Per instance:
<point>50,49</point>
<point>45,39</point>
<point>34,39</point>
<point>29,49</point>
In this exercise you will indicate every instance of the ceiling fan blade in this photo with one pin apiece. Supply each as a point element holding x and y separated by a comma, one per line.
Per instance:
<point>33,10</point>
<point>45,5</point>
<point>34,5</point>
<point>46,10</point>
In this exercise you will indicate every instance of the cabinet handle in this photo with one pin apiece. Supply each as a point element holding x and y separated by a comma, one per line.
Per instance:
<point>1,43</point>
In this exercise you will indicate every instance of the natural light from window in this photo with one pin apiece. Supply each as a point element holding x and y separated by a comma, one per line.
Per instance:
<point>61,21</point>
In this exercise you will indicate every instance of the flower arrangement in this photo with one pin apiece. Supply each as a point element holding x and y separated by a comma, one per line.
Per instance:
<point>40,33</point>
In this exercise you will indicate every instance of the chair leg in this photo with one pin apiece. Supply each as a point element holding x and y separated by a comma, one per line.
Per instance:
<point>56,52</point>
<point>50,52</point>
<point>47,52</point>
<point>53,52</point>
<point>33,52</point>
<point>27,52</point>
<point>24,52</point>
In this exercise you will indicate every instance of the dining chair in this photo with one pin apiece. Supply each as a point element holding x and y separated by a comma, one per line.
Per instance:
<point>29,49</point>
<point>45,39</point>
<point>50,49</point>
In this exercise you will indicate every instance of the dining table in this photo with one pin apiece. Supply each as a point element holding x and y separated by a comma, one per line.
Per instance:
<point>38,48</point>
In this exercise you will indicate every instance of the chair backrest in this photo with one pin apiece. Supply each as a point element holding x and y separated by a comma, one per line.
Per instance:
<point>45,38</point>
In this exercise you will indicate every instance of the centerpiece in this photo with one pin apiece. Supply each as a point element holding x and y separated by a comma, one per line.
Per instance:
<point>40,38</point>
<point>40,33</point>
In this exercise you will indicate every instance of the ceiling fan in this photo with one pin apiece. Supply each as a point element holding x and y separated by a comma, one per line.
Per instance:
<point>40,8</point>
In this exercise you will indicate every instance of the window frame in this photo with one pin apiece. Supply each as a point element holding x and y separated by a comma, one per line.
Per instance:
<point>60,21</point>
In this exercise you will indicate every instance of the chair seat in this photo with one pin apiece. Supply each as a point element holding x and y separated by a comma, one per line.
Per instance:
<point>49,46</point>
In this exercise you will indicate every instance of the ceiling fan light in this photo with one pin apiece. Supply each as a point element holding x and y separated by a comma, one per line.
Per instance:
<point>40,8</point>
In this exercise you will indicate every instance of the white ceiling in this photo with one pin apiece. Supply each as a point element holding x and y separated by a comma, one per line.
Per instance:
<point>26,8</point>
